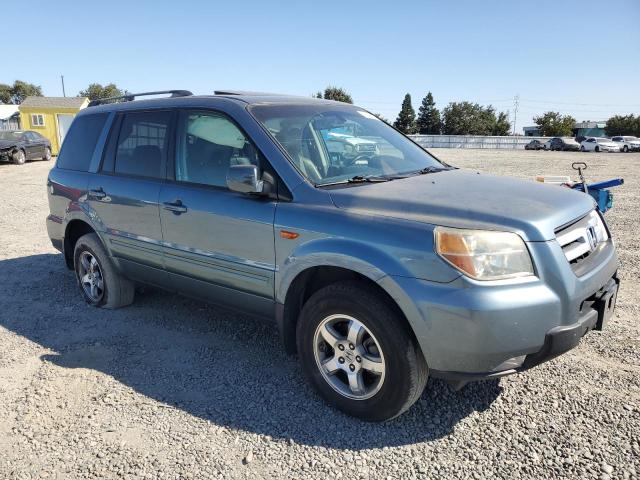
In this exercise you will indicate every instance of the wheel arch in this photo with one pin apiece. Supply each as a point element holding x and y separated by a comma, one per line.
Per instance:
<point>312,279</point>
<point>74,229</point>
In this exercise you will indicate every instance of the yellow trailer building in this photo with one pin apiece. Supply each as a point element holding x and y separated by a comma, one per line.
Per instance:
<point>51,116</point>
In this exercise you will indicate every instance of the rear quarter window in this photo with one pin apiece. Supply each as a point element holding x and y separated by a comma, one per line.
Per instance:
<point>79,144</point>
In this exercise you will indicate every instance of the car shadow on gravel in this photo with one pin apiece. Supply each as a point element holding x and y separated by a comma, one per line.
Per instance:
<point>212,363</point>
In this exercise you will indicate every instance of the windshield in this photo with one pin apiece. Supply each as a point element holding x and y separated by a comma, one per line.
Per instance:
<point>332,144</point>
<point>10,135</point>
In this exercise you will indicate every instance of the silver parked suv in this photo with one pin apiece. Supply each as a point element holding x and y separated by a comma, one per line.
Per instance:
<point>379,264</point>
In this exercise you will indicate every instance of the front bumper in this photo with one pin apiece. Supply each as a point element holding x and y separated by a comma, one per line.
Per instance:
<point>470,330</point>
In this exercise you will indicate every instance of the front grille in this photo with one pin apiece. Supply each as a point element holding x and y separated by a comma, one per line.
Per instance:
<point>580,238</point>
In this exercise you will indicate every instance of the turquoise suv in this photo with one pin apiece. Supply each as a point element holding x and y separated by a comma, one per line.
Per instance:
<point>379,266</point>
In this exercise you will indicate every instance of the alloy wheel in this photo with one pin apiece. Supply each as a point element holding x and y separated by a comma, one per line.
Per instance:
<point>90,276</point>
<point>349,357</point>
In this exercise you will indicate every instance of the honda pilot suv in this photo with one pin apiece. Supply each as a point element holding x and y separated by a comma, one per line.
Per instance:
<point>378,269</point>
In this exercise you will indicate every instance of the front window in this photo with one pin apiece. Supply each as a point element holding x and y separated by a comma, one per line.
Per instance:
<point>208,144</point>
<point>335,144</point>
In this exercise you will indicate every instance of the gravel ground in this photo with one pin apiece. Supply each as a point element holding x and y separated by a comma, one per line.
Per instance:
<point>171,388</point>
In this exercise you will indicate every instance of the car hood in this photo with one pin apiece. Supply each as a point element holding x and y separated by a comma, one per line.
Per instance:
<point>468,199</point>
<point>7,144</point>
<point>608,144</point>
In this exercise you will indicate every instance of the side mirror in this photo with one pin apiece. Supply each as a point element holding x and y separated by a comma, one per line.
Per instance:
<point>244,179</point>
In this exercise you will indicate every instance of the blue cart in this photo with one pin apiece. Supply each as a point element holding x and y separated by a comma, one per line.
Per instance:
<point>599,190</point>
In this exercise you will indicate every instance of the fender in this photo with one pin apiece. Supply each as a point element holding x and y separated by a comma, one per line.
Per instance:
<point>358,257</point>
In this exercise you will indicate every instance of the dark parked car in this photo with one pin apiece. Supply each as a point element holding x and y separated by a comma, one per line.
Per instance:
<point>19,146</point>
<point>564,144</point>
<point>534,145</point>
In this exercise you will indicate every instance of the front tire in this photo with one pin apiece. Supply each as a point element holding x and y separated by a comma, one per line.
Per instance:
<point>582,149</point>
<point>47,154</point>
<point>19,157</point>
<point>597,149</point>
<point>101,285</point>
<point>625,149</point>
<point>358,353</point>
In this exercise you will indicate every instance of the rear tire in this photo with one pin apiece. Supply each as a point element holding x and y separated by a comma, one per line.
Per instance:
<point>100,283</point>
<point>19,157</point>
<point>388,366</point>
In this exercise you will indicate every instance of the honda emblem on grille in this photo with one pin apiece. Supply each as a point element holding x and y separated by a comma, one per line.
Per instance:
<point>591,237</point>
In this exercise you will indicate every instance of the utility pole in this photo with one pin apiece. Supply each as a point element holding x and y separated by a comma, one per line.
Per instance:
<point>63,92</point>
<point>516,104</point>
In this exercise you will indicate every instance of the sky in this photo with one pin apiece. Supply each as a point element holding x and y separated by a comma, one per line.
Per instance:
<point>576,57</point>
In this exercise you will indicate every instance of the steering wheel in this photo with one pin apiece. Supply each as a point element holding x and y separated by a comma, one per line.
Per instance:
<point>362,156</point>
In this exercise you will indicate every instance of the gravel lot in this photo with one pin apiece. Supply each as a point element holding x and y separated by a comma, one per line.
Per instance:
<point>171,388</point>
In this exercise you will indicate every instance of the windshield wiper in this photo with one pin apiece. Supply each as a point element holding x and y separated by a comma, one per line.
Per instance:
<point>367,179</point>
<point>356,179</point>
<point>426,170</point>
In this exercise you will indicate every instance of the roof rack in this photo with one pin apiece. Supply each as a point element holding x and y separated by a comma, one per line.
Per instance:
<point>132,96</point>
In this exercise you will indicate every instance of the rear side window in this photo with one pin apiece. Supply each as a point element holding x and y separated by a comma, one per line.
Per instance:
<point>80,142</point>
<point>142,144</point>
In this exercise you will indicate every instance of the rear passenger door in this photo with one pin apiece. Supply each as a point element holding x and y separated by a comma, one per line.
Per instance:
<point>124,194</point>
<point>219,244</point>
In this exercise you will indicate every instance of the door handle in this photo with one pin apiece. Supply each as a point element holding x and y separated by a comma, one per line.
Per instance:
<point>97,193</point>
<point>176,207</point>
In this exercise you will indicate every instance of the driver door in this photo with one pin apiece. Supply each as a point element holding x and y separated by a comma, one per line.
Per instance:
<point>218,244</point>
<point>33,147</point>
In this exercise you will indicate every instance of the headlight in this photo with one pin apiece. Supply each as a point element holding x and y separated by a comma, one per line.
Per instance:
<point>483,254</point>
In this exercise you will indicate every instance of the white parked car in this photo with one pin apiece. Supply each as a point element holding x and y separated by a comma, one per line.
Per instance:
<point>598,144</point>
<point>627,143</point>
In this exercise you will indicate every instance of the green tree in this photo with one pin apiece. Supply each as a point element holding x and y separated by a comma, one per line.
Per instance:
<point>95,91</point>
<point>318,94</point>
<point>553,124</point>
<point>337,94</point>
<point>623,125</point>
<point>17,92</point>
<point>466,118</point>
<point>502,125</point>
<point>428,122</point>
<point>5,93</point>
<point>406,121</point>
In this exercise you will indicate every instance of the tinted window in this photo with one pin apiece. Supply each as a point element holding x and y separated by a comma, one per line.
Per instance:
<point>208,144</point>
<point>142,144</point>
<point>80,142</point>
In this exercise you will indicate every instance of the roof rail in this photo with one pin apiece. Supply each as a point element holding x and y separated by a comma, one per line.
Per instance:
<point>132,96</point>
